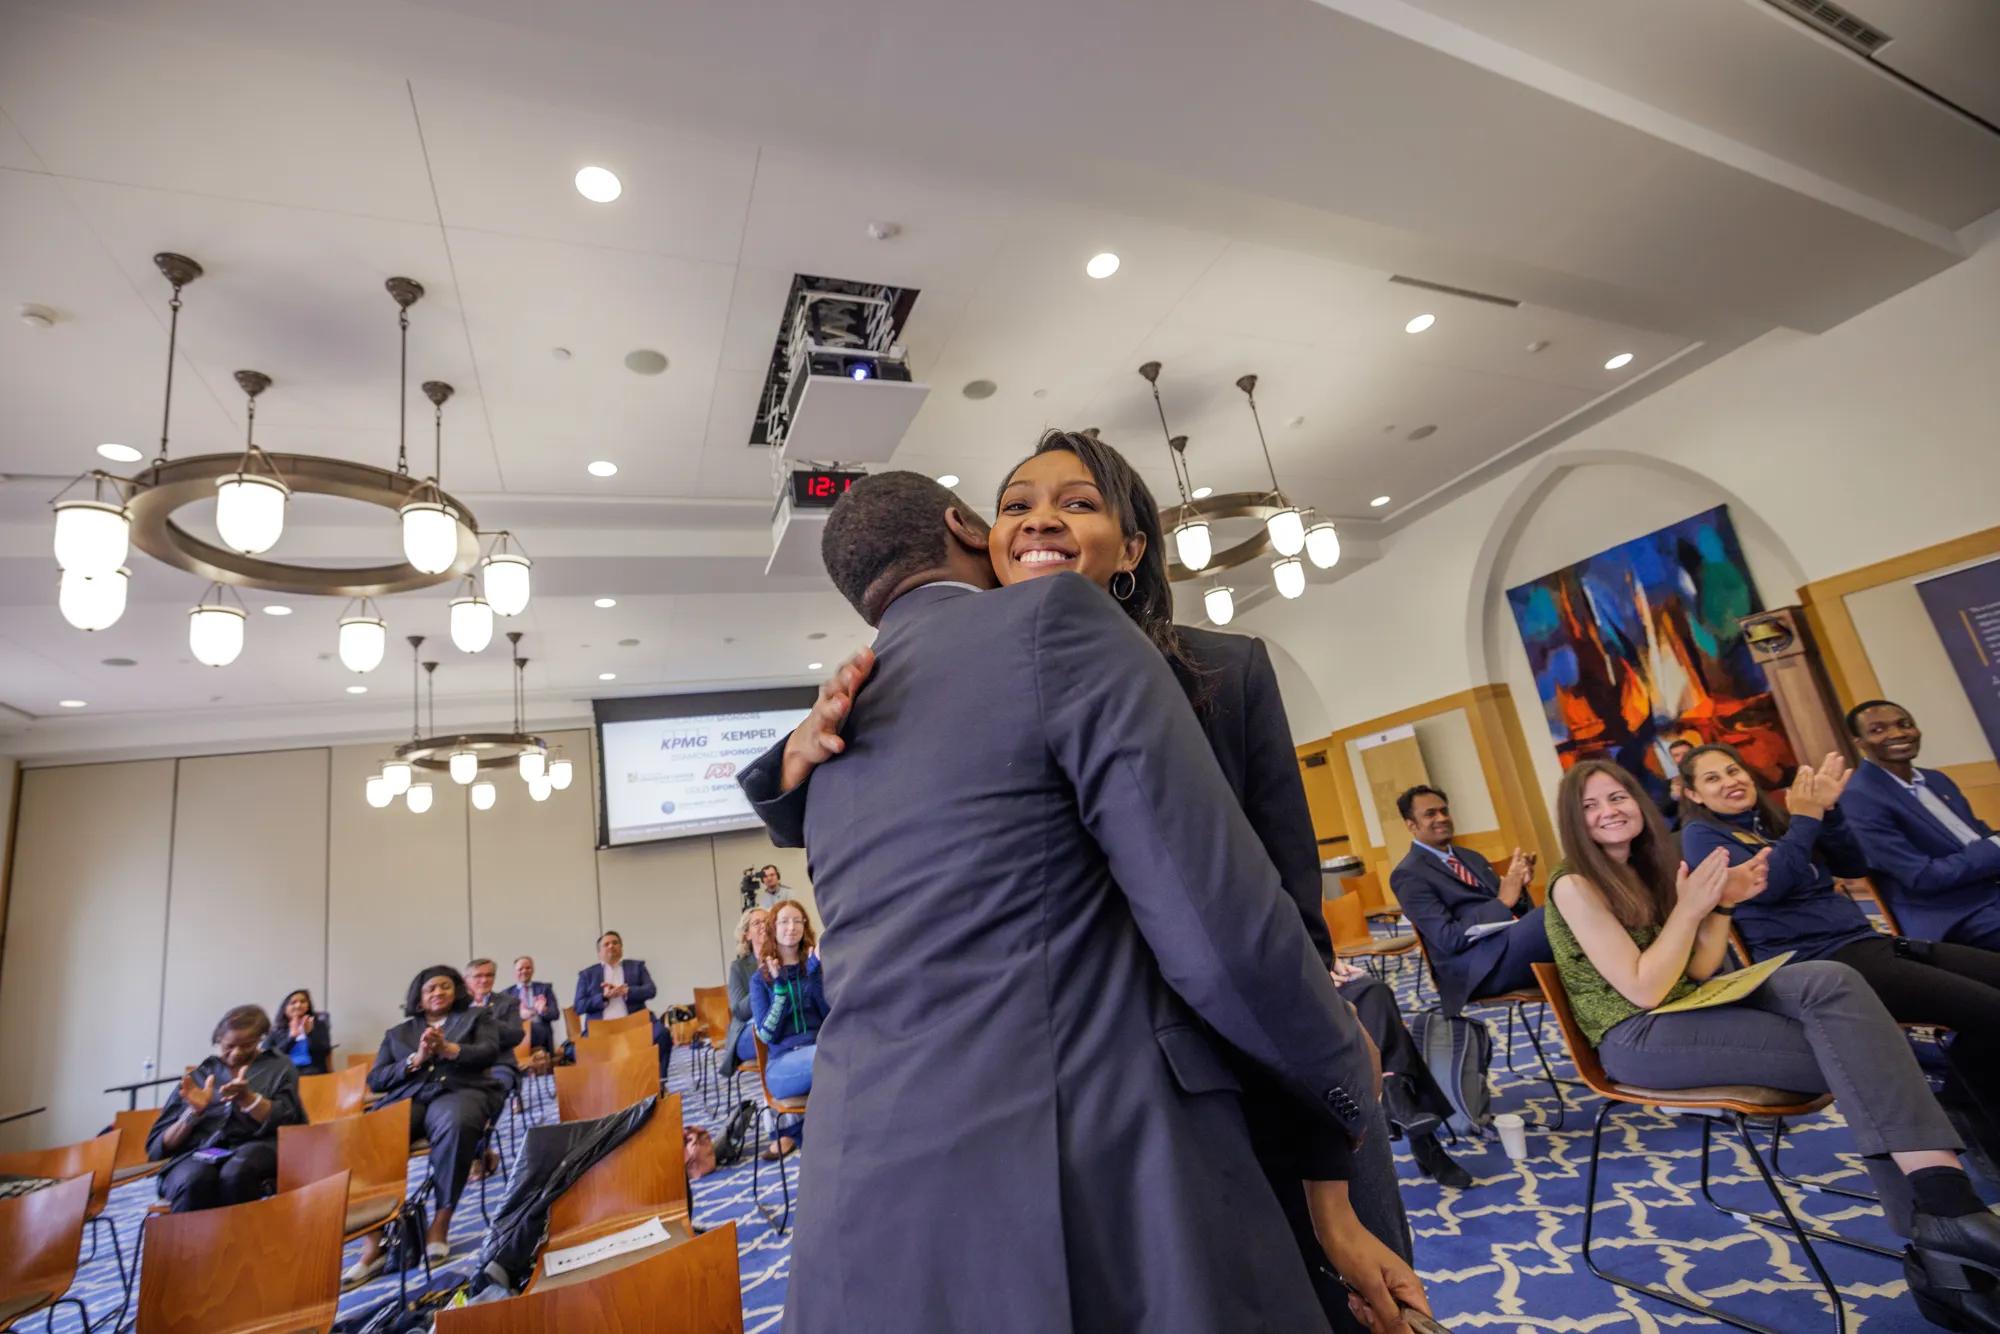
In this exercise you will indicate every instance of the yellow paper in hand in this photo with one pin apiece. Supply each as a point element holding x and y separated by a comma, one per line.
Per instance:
<point>1727,988</point>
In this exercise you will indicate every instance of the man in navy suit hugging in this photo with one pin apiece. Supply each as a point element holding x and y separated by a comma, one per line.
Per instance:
<point>1477,925</point>
<point>1936,862</point>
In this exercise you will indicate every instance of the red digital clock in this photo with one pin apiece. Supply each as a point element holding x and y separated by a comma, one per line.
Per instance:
<point>819,488</point>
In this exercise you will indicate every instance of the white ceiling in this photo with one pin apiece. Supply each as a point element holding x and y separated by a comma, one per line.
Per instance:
<point>1669,188</point>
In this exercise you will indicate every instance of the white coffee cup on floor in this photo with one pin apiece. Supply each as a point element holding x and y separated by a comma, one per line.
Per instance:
<point>1513,1135</point>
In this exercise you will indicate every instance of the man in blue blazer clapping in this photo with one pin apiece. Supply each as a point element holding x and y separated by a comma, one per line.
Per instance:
<point>1937,862</point>
<point>1479,927</point>
<point>537,1002</point>
<point>616,986</point>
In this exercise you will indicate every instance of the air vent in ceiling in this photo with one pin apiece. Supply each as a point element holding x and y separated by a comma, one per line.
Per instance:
<point>1836,23</point>
<point>1465,292</point>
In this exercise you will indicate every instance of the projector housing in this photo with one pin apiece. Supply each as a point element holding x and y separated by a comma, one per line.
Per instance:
<point>839,387</point>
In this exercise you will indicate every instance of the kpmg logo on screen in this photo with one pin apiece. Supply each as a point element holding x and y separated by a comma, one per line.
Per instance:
<point>684,742</point>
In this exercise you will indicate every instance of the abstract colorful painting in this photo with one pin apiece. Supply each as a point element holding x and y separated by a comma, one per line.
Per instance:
<point>1639,645</point>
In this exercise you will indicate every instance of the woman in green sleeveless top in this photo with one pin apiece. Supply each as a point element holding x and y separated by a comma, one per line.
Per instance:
<point>1633,928</point>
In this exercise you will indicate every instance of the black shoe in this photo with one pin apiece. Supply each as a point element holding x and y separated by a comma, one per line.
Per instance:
<point>1950,1295</point>
<point>1399,1105</point>
<point>1437,1164</point>
<point>1972,1240</point>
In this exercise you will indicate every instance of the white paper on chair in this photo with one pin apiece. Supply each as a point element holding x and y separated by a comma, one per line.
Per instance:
<point>649,1233</point>
<point>1479,930</point>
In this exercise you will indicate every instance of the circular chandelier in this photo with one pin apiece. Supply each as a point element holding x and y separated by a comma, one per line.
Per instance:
<point>467,757</point>
<point>1285,527</point>
<point>252,490</point>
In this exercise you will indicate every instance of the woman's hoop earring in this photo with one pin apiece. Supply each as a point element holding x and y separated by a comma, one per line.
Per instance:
<point>1131,585</point>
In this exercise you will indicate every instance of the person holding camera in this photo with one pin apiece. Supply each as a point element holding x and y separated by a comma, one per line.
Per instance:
<point>770,889</point>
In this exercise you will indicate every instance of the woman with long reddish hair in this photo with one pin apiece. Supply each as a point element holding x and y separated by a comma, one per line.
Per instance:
<point>1633,928</point>
<point>787,1007</point>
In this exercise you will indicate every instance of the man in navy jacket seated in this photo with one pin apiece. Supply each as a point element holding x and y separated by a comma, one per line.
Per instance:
<point>1936,862</point>
<point>1478,927</point>
<point>536,1002</point>
<point>616,986</point>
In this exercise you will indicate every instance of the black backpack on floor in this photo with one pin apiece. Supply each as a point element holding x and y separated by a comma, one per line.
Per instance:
<point>738,1135</point>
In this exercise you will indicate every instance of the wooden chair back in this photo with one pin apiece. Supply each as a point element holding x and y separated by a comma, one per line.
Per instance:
<point>694,1288</point>
<point>794,1107</point>
<point>371,1151</point>
<point>641,1019</point>
<point>41,1234</point>
<point>1588,1068</point>
<point>613,1046</point>
<point>1347,920</point>
<point>273,1264</point>
<point>711,1011</point>
<point>1865,888</point>
<point>572,1024</point>
<point>588,1090</point>
<point>331,1097</point>
<point>645,1177</point>
<point>91,1157</point>
<point>1375,901</point>
<point>361,1058</point>
<point>133,1127</point>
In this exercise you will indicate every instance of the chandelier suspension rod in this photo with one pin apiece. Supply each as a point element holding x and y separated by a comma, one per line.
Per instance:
<point>1248,384</point>
<point>403,397</point>
<point>1160,408</point>
<point>416,691</point>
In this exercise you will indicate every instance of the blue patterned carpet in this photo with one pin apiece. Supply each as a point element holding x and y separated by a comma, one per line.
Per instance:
<point>1499,1257</point>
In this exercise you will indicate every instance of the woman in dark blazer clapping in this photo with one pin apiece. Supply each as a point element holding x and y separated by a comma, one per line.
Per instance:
<point>302,1035</point>
<point>439,1058</point>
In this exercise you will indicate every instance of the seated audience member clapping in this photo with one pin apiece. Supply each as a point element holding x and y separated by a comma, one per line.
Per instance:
<point>219,1129</point>
<point>537,1005</point>
<point>753,928</point>
<point>1800,910</point>
<point>479,976</point>
<point>1480,928</point>
<point>787,1006</point>
<point>615,987</point>
<point>441,1059</point>
<point>1632,929</point>
<point>302,1034</point>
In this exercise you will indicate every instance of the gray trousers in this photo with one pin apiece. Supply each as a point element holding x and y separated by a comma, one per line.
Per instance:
<point>1811,1028</point>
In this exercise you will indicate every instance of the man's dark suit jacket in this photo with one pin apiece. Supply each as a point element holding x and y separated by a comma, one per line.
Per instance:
<point>1033,879</point>
<point>1938,887</point>
<point>541,1024</point>
<point>1441,906</point>
<point>590,989</point>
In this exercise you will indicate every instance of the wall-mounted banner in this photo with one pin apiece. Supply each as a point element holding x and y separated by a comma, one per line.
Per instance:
<point>1965,607</point>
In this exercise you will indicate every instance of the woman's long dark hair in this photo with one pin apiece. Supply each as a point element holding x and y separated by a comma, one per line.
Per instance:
<point>295,991</point>
<point>1773,816</point>
<point>413,1001</point>
<point>1151,605</point>
<point>1640,890</point>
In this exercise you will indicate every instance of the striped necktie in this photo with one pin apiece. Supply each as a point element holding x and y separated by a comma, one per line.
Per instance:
<point>1461,870</point>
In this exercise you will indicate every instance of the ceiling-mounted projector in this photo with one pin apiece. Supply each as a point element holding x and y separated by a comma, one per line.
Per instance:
<point>839,386</point>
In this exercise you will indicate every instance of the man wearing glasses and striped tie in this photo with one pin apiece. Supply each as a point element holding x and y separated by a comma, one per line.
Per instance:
<point>1478,926</point>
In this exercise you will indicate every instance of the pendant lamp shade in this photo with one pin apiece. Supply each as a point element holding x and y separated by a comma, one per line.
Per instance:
<point>464,766</point>
<point>560,774</point>
<point>250,511</point>
<point>418,798</point>
<point>539,788</point>
<point>430,536</point>
<point>471,624</point>
<point>506,580</point>
<point>92,537</point>
<point>1220,603</point>
<point>1287,529</point>
<point>1323,545</point>
<point>378,791</point>
<point>483,795</point>
<point>534,764</point>
<point>363,640</point>
<point>396,773</point>
<point>1193,544</point>
<point>215,634</point>
<point>1290,574</point>
<point>93,603</point>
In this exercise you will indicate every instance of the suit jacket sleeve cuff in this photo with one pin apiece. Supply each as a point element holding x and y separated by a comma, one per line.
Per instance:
<point>783,813</point>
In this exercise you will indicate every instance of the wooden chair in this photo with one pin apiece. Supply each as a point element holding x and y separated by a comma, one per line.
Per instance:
<point>1377,903</point>
<point>645,1177</point>
<point>1346,918</point>
<point>642,1019</point>
<point>331,1097</point>
<point>777,1107</point>
<point>1865,890</point>
<point>41,1235</point>
<point>695,1288</point>
<point>270,1265</point>
<point>132,1164</point>
<point>711,1026</point>
<point>611,1046</point>
<point>588,1090</point>
<point>1739,1102</point>
<point>371,1153</point>
<point>572,1023</point>
<point>95,1158</point>
<point>360,1058</point>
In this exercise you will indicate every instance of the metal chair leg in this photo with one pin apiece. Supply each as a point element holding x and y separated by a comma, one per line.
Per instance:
<point>82,1313</point>
<point>1548,1073</point>
<point>1773,1220</point>
<point>1777,1139</point>
<point>1674,1298</point>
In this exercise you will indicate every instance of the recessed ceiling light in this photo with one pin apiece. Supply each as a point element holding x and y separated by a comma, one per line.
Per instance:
<point>561,353</point>
<point>1618,362</point>
<point>645,361</point>
<point>120,453</point>
<point>121,662</point>
<point>1379,502</point>
<point>357,690</point>
<point>1539,345</point>
<point>1203,492</point>
<point>628,643</point>
<point>605,602</point>
<point>71,703</point>
<point>1420,323</point>
<point>1296,422</point>
<point>607,676</point>
<point>277,609</point>
<point>978,389</point>
<point>598,184</point>
<point>815,666</point>
<point>602,468</point>
<point>1102,266</point>
<point>949,479</point>
<point>1423,432</point>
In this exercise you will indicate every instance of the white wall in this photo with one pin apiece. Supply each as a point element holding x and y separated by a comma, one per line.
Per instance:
<point>1833,451</point>
<point>168,890</point>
